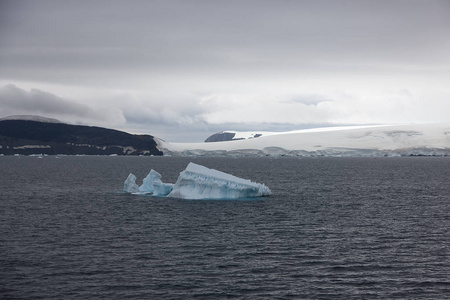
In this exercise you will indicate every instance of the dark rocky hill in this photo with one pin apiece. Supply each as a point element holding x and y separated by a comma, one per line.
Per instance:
<point>228,136</point>
<point>32,137</point>
<point>220,137</point>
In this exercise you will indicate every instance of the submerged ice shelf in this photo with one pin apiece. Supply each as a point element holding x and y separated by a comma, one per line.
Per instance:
<point>197,182</point>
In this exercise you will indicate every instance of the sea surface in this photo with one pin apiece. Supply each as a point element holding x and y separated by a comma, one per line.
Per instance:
<point>334,228</point>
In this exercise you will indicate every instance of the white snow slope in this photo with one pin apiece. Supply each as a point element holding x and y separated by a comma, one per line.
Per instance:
<point>380,140</point>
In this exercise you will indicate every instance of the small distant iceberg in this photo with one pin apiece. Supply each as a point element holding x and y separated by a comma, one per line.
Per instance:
<point>151,185</point>
<point>197,182</point>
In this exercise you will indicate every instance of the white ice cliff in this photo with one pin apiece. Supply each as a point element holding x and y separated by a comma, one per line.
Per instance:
<point>198,182</point>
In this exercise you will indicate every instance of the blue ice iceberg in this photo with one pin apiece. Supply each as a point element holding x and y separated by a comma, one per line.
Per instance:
<point>152,184</point>
<point>130,185</point>
<point>198,182</point>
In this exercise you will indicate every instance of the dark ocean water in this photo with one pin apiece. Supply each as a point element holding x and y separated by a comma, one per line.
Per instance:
<point>334,228</point>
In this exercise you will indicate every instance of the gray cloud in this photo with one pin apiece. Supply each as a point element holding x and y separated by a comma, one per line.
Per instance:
<point>216,36</point>
<point>14,100</point>
<point>312,99</point>
<point>166,58</point>
<point>185,111</point>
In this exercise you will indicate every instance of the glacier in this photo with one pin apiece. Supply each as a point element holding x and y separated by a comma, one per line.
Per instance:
<point>366,141</point>
<point>197,182</point>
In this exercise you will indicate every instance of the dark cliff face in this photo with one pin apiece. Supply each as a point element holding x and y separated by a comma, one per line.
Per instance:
<point>227,136</point>
<point>221,137</point>
<point>31,137</point>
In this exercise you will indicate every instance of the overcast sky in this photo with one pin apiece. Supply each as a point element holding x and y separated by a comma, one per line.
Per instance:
<point>183,70</point>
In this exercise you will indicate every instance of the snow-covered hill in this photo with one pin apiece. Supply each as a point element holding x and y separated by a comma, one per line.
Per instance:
<point>417,139</point>
<point>236,135</point>
<point>31,118</point>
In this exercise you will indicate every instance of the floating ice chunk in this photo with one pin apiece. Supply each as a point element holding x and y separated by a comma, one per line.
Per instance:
<point>198,182</point>
<point>152,184</point>
<point>130,185</point>
<point>147,183</point>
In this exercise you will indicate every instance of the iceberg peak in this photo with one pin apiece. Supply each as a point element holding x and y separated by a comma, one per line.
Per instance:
<point>130,185</point>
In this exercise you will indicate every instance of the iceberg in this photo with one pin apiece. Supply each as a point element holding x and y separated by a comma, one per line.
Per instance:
<point>152,184</point>
<point>198,182</point>
<point>130,185</point>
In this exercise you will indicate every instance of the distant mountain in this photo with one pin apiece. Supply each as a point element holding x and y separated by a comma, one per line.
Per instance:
<point>31,118</point>
<point>221,137</point>
<point>233,136</point>
<point>37,135</point>
<point>381,140</point>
